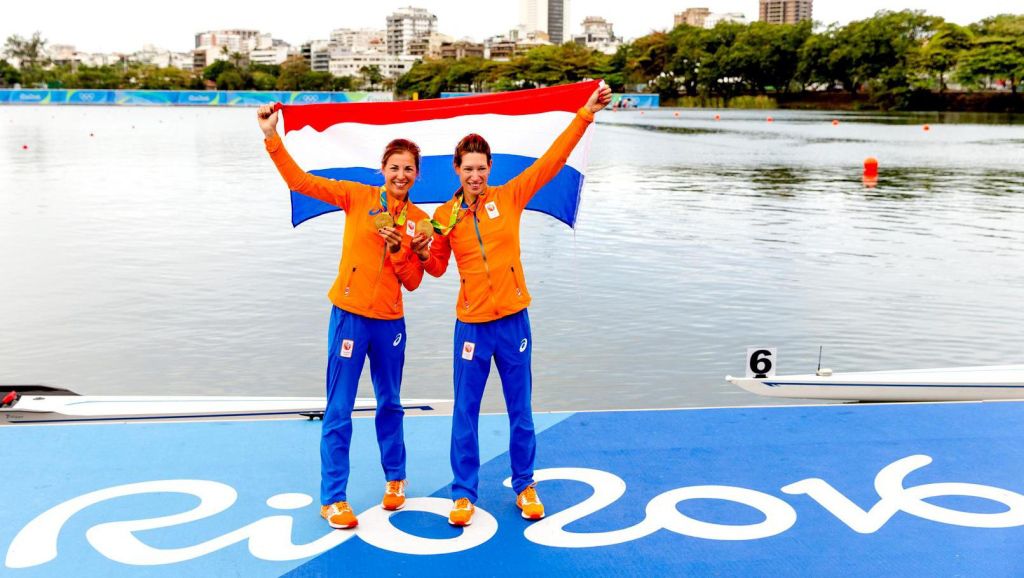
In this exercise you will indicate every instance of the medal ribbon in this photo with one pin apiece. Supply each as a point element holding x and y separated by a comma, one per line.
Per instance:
<point>400,218</point>
<point>454,219</point>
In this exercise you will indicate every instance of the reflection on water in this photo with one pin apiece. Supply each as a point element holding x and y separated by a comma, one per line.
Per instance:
<point>157,257</point>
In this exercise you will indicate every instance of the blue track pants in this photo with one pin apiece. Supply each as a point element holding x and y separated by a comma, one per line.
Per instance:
<point>350,340</point>
<point>509,342</point>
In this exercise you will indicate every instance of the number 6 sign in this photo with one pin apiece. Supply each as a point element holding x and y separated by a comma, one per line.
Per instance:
<point>761,362</point>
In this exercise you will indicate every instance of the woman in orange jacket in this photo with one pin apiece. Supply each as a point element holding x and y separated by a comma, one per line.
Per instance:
<point>481,226</point>
<point>367,319</point>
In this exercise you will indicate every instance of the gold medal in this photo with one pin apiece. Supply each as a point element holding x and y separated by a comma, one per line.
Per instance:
<point>383,220</point>
<point>424,227</point>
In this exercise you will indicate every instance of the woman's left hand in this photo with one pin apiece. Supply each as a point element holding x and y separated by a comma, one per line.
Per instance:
<point>392,238</point>
<point>600,99</point>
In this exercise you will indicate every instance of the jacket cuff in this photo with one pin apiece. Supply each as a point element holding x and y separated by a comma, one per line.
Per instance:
<point>273,143</point>
<point>400,255</point>
<point>585,114</point>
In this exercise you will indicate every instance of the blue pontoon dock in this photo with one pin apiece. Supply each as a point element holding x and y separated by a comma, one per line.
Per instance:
<point>853,490</point>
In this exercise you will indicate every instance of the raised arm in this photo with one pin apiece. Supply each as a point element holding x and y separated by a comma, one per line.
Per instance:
<point>533,179</point>
<point>337,193</point>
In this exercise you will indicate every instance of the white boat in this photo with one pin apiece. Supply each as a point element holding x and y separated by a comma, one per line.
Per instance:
<point>945,384</point>
<point>42,404</point>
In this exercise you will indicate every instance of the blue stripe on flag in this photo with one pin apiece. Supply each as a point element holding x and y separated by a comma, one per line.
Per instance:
<point>437,182</point>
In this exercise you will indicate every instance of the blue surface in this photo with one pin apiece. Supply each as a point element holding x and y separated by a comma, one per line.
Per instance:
<point>437,182</point>
<point>47,465</point>
<point>758,451</point>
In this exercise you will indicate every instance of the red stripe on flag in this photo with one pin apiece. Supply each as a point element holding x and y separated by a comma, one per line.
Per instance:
<point>567,98</point>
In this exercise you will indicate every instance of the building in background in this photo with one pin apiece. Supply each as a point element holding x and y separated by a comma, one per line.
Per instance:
<point>317,54</point>
<point>501,48</point>
<point>548,16</point>
<point>692,17</point>
<point>429,46</point>
<point>598,35</point>
<point>462,49</point>
<point>785,11</point>
<point>352,64</point>
<point>359,41</point>
<point>406,25</point>
<point>214,45</point>
<point>235,40</point>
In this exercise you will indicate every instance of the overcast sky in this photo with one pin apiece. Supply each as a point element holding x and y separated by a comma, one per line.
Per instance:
<point>124,26</point>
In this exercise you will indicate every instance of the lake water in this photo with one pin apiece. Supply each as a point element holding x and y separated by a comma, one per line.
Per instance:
<point>155,255</point>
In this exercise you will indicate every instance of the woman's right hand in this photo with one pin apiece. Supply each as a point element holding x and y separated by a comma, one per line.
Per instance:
<point>267,117</point>
<point>421,245</point>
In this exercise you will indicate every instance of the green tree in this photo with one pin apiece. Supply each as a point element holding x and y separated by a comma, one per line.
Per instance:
<point>880,51</point>
<point>292,72</point>
<point>371,75</point>
<point>263,80</point>
<point>319,81</point>
<point>426,77</point>
<point>342,83</point>
<point>96,77</point>
<point>30,52</point>
<point>821,62</point>
<point>719,73</point>
<point>997,52</point>
<point>31,56</point>
<point>217,68</point>
<point>9,75</point>
<point>230,79</point>
<point>943,50</point>
<point>688,56</point>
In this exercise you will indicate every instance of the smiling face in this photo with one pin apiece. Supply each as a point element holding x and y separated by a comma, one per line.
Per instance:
<point>473,172</point>
<point>399,173</point>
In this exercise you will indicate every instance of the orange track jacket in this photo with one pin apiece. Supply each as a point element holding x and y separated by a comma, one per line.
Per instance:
<point>369,277</point>
<point>486,238</point>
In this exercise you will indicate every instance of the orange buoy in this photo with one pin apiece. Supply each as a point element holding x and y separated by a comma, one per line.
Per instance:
<point>770,119</point>
<point>869,182</point>
<point>926,128</point>
<point>835,122</point>
<point>871,168</point>
<point>675,114</point>
<point>718,117</point>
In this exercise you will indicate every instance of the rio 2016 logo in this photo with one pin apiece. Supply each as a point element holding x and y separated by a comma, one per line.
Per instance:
<point>270,538</point>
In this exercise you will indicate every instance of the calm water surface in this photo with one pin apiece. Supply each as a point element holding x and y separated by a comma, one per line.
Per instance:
<point>157,257</point>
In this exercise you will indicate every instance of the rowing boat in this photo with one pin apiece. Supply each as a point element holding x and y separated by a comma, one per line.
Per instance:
<point>36,404</point>
<point>944,384</point>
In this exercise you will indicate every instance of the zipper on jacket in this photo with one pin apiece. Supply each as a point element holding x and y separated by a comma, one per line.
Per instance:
<point>348,282</point>
<point>487,268</point>
<point>519,291</point>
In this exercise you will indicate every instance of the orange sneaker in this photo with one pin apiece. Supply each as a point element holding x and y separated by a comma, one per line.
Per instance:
<point>530,504</point>
<point>462,512</point>
<point>394,495</point>
<point>339,515</point>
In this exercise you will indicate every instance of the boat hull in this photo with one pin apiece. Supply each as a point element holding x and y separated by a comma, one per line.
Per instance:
<point>944,384</point>
<point>88,408</point>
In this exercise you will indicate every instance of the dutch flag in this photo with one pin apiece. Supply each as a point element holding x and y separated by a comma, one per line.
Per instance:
<point>345,141</point>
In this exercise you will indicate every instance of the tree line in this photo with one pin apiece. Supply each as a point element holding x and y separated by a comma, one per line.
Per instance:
<point>888,58</point>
